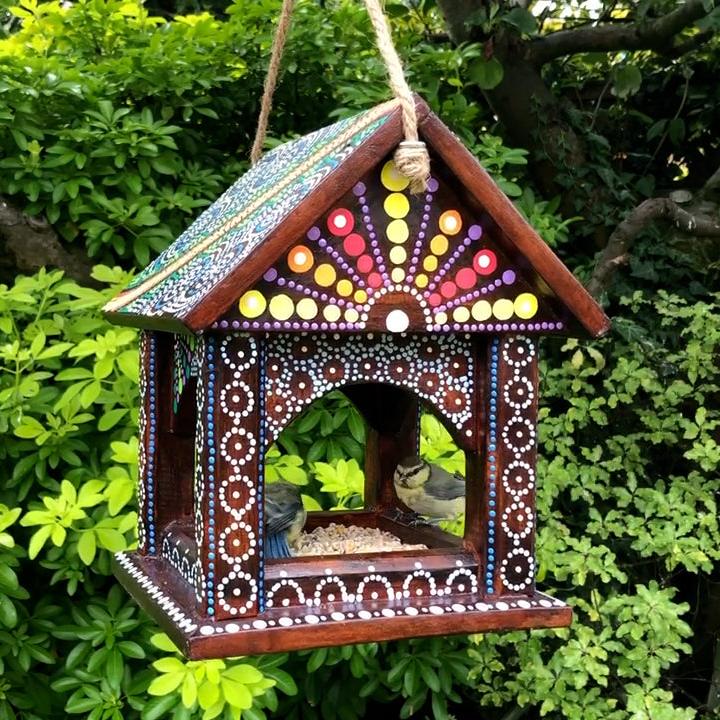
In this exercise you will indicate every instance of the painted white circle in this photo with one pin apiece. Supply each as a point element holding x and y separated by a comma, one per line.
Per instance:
<point>397,321</point>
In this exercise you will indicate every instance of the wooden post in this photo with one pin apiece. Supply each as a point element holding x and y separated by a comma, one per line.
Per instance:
<point>228,481</point>
<point>391,414</point>
<point>148,540</point>
<point>512,453</point>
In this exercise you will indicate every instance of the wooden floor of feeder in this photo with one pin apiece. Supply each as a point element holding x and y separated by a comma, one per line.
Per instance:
<point>157,587</point>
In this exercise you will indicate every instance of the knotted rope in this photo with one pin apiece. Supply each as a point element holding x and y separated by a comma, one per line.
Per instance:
<point>411,157</point>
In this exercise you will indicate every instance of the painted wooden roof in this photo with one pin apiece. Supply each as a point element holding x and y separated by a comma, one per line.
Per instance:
<point>323,234</point>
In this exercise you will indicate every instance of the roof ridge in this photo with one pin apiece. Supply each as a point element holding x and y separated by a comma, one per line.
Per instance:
<point>364,119</point>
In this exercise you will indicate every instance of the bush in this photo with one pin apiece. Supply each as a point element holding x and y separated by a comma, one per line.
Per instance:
<point>119,127</point>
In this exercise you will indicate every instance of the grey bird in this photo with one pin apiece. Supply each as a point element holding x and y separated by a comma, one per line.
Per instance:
<point>284,518</point>
<point>429,490</point>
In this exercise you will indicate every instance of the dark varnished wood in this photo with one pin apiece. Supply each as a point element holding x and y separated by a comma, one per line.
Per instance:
<point>270,639</point>
<point>476,180</point>
<point>391,414</point>
<point>221,297</point>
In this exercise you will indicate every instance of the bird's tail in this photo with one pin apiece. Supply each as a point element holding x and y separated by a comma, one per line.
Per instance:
<point>276,545</point>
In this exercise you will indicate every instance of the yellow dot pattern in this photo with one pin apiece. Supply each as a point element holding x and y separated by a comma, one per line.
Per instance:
<point>252,304</point>
<point>526,305</point>
<point>281,307</point>
<point>325,275</point>
<point>397,231</point>
<point>461,314</point>
<point>439,245</point>
<point>398,255</point>
<point>422,280</point>
<point>391,179</point>
<point>397,275</point>
<point>306,309</point>
<point>503,309</point>
<point>396,205</point>
<point>344,288</point>
<point>481,310</point>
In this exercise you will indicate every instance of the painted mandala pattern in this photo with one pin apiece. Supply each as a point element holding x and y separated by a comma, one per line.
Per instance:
<point>376,587</point>
<point>242,218</point>
<point>182,559</point>
<point>386,260</point>
<point>437,606</point>
<point>199,486</point>
<point>148,429</point>
<point>184,366</point>
<point>518,440</point>
<point>438,369</point>
<point>237,550</point>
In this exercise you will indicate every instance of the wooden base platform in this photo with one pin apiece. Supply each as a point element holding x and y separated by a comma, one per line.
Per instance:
<point>153,584</point>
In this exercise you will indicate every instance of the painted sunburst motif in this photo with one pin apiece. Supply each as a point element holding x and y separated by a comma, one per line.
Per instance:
<point>383,259</point>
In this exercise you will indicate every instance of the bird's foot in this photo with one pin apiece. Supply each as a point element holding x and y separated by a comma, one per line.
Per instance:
<point>412,519</point>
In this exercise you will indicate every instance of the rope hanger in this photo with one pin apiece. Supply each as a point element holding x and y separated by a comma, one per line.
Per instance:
<point>411,157</point>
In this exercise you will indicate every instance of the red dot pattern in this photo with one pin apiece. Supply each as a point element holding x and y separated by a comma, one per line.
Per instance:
<point>354,245</point>
<point>466,278</point>
<point>341,222</point>
<point>485,262</point>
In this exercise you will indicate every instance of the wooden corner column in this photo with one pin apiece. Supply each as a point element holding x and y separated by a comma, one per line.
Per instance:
<point>148,536</point>
<point>228,478</point>
<point>511,458</point>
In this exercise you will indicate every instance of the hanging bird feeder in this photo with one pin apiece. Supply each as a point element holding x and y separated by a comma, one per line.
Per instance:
<point>323,268</point>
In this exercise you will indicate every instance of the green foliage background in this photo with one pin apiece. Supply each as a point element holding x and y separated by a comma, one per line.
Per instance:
<point>119,126</point>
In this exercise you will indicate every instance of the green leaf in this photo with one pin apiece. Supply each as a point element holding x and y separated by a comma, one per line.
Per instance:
<point>487,74</point>
<point>236,694</point>
<point>165,684</point>
<point>8,613</point>
<point>208,694</point>
<point>87,546</point>
<point>189,690</point>
<point>522,19</point>
<point>38,540</point>
<point>111,418</point>
<point>627,80</point>
<point>245,674</point>
<point>30,428</point>
<point>110,539</point>
<point>163,642</point>
<point>159,707</point>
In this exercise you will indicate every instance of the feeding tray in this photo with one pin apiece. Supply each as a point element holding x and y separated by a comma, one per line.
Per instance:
<point>319,271</point>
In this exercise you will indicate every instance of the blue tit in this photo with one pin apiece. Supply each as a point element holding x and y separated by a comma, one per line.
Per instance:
<point>428,489</point>
<point>284,518</point>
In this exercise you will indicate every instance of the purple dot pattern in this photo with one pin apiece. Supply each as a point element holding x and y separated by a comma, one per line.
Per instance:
<point>340,260</point>
<point>475,295</point>
<point>459,251</point>
<point>372,236</point>
<point>422,232</point>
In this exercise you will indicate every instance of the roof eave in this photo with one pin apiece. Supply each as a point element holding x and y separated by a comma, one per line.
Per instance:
<point>480,185</point>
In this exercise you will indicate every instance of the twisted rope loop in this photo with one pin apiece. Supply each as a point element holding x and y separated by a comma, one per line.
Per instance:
<point>411,157</point>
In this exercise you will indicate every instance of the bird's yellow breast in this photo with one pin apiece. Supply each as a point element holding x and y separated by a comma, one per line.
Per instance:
<point>419,501</point>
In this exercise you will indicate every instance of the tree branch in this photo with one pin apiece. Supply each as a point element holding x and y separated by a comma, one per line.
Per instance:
<point>616,252</point>
<point>654,35</point>
<point>28,243</point>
